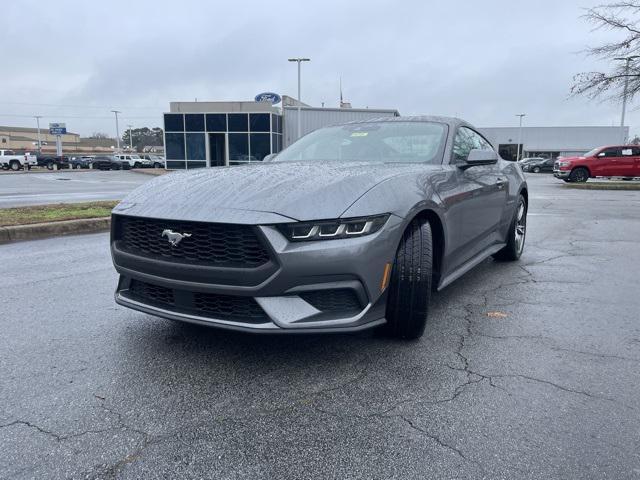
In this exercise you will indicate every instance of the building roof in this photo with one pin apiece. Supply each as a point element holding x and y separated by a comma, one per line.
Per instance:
<point>43,129</point>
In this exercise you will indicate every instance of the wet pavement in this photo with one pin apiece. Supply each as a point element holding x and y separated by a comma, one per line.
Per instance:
<point>527,370</point>
<point>33,188</point>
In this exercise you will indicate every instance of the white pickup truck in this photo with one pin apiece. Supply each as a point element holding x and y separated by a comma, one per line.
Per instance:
<point>9,160</point>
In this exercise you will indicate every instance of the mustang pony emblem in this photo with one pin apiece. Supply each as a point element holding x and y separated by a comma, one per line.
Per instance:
<point>174,237</point>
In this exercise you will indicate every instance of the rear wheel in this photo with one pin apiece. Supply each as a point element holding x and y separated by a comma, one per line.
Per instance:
<point>14,165</point>
<point>136,165</point>
<point>410,287</point>
<point>517,234</point>
<point>536,170</point>
<point>579,175</point>
<point>156,165</point>
<point>49,165</point>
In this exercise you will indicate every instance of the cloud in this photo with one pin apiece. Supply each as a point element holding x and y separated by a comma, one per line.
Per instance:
<point>484,61</point>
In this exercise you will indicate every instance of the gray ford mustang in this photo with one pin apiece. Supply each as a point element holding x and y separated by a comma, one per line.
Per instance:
<point>351,227</point>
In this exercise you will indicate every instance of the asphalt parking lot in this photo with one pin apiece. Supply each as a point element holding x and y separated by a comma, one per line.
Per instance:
<point>33,188</point>
<point>528,370</point>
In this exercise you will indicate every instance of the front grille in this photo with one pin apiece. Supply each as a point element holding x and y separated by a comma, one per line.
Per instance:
<point>214,244</point>
<point>341,300</point>
<point>211,305</point>
<point>151,293</point>
<point>229,307</point>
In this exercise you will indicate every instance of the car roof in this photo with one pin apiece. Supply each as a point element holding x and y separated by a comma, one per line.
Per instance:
<point>453,122</point>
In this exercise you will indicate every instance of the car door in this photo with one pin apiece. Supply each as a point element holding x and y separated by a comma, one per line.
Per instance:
<point>636,161</point>
<point>625,164</point>
<point>547,166</point>
<point>475,201</point>
<point>606,162</point>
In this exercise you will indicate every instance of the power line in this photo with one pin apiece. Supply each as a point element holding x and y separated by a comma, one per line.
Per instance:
<point>78,116</point>
<point>77,106</point>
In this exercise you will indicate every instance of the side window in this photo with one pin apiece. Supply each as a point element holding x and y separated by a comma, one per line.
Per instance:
<point>627,152</point>
<point>609,152</point>
<point>465,141</point>
<point>636,151</point>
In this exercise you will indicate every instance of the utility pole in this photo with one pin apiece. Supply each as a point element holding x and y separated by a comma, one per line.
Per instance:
<point>299,61</point>
<point>130,137</point>
<point>520,134</point>
<point>38,117</point>
<point>628,61</point>
<point>117,130</point>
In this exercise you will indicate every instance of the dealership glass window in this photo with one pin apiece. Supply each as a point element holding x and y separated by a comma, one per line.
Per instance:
<point>276,143</point>
<point>173,122</point>
<point>276,123</point>
<point>238,122</point>
<point>259,122</point>
<point>239,147</point>
<point>216,122</point>
<point>192,165</point>
<point>175,165</point>
<point>195,146</point>
<point>260,145</point>
<point>174,147</point>
<point>194,122</point>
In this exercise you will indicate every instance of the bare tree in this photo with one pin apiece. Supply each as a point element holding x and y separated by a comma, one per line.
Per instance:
<point>623,18</point>
<point>99,135</point>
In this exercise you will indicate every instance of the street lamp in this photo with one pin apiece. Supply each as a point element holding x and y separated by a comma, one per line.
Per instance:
<point>38,117</point>
<point>520,134</point>
<point>117,129</point>
<point>299,61</point>
<point>624,92</point>
<point>130,137</point>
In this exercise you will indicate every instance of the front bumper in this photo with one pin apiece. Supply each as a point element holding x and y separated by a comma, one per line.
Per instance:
<point>286,289</point>
<point>561,173</point>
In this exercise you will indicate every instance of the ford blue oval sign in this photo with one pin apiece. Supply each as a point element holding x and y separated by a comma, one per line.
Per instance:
<point>271,97</point>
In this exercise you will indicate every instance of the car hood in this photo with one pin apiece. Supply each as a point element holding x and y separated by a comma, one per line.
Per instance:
<point>282,191</point>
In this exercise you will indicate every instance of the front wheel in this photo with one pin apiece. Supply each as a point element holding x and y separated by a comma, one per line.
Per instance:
<point>579,175</point>
<point>517,234</point>
<point>410,287</point>
<point>15,165</point>
<point>536,170</point>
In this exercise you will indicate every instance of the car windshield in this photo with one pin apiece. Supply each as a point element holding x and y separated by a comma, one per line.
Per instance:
<point>375,142</point>
<point>591,153</point>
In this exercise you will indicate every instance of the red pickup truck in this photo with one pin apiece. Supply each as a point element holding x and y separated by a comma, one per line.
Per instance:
<point>611,161</point>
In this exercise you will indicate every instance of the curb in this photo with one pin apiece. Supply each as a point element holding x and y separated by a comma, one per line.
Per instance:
<point>604,186</point>
<point>18,233</point>
<point>150,171</point>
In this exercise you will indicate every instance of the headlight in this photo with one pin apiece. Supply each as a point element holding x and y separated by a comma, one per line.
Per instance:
<point>333,229</point>
<point>562,164</point>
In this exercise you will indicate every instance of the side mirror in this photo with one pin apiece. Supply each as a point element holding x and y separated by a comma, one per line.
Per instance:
<point>481,157</point>
<point>269,157</point>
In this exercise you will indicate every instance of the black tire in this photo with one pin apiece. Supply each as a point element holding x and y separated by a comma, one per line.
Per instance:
<point>49,165</point>
<point>579,174</point>
<point>517,234</point>
<point>14,165</point>
<point>536,170</point>
<point>156,165</point>
<point>410,286</point>
<point>136,165</point>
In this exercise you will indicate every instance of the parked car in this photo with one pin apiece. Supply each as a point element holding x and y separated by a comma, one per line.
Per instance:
<point>50,161</point>
<point>609,161</point>
<point>526,160</point>
<point>350,227</point>
<point>134,160</point>
<point>537,166</point>
<point>155,161</point>
<point>81,162</point>
<point>110,163</point>
<point>11,160</point>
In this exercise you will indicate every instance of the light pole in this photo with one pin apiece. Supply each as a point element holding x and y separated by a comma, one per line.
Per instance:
<point>130,138</point>
<point>299,61</point>
<point>520,134</point>
<point>117,129</point>
<point>38,117</point>
<point>624,92</point>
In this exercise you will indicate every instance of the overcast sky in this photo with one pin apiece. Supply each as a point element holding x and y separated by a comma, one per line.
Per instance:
<point>74,61</point>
